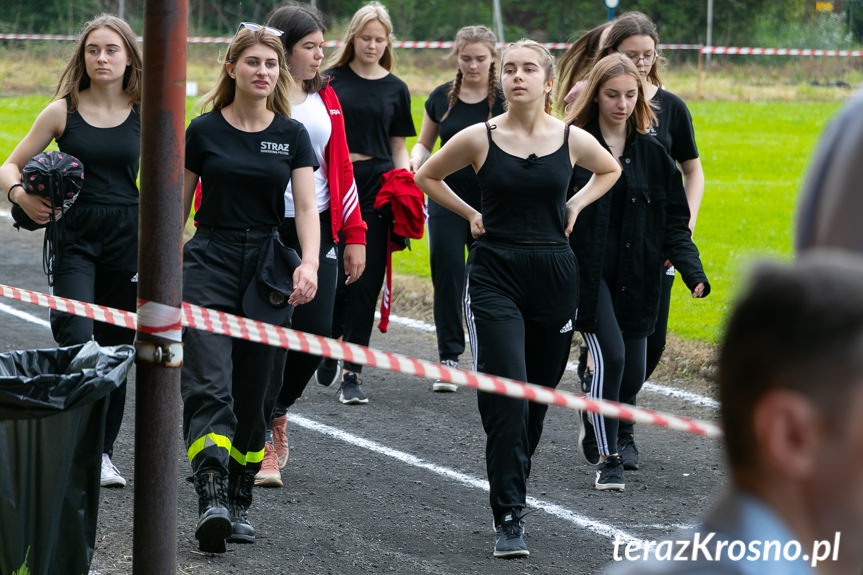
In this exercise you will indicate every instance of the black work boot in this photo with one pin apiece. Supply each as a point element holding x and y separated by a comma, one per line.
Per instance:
<point>214,521</point>
<point>240,494</point>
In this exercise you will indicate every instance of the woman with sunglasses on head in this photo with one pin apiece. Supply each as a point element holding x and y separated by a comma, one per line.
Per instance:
<point>245,151</point>
<point>377,111</point>
<point>95,117</point>
<point>621,242</point>
<point>520,296</point>
<point>636,36</point>
<point>473,97</point>
<point>315,105</point>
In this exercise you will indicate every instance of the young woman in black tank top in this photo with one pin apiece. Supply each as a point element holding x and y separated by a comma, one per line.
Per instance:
<point>519,296</point>
<point>95,117</point>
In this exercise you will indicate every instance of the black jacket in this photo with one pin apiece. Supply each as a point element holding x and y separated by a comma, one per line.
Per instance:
<point>655,227</point>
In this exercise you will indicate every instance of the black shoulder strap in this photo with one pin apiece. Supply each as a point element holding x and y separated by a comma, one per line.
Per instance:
<point>566,134</point>
<point>488,129</point>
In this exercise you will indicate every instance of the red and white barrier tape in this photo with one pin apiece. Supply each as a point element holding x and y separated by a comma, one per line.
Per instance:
<point>235,326</point>
<point>446,45</point>
<point>777,51</point>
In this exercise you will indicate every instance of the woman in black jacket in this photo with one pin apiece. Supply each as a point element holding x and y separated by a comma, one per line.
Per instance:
<point>620,242</point>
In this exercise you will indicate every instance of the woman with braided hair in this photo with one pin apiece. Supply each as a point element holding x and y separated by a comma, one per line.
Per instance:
<point>473,97</point>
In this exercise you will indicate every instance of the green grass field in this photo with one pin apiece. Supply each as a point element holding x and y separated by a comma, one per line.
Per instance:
<point>754,155</point>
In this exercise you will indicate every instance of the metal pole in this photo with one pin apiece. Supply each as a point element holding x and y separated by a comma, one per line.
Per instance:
<point>498,21</point>
<point>610,14</point>
<point>121,10</point>
<point>157,393</point>
<point>709,30</point>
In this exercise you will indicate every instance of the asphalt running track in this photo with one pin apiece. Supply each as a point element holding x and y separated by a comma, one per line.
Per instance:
<point>398,485</point>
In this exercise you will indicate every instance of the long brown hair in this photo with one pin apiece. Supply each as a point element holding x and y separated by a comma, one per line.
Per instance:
<point>576,62</point>
<point>547,63</point>
<point>75,79</point>
<point>369,12</point>
<point>225,89</point>
<point>634,24</point>
<point>474,35</point>
<point>298,21</point>
<point>585,109</point>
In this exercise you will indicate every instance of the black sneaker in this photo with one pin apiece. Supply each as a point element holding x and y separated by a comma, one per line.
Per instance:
<point>508,538</point>
<point>628,451</point>
<point>328,371</point>
<point>582,362</point>
<point>587,448</point>
<point>350,391</point>
<point>587,381</point>
<point>609,475</point>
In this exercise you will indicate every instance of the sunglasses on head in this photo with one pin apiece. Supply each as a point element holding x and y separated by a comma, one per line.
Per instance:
<point>253,27</point>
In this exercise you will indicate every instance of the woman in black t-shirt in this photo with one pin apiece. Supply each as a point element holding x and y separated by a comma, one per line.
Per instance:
<point>474,96</point>
<point>245,151</point>
<point>377,110</point>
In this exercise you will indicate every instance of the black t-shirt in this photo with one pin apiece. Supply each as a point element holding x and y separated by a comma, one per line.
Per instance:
<point>375,111</point>
<point>462,115</point>
<point>675,126</point>
<point>244,174</point>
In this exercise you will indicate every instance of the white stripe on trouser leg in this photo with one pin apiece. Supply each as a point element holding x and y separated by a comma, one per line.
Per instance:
<point>470,321</point>
<point>596,388</point>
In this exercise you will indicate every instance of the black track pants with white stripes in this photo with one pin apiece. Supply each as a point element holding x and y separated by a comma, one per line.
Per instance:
<point>520,303</point>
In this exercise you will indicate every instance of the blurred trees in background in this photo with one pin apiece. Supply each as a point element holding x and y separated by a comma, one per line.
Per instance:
<point>767,23</point>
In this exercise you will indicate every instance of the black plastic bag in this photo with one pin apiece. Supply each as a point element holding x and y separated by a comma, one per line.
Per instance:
<point>52,422</point>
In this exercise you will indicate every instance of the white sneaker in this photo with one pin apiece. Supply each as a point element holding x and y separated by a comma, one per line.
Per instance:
<point>445,386</point>
<point>110,474</point>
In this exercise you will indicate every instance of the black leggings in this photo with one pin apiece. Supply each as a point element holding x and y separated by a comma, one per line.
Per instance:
<point>315,317</point>
<point>655,345</point>
<point>354,312</point>
<point>618,367</point>
<point>448,234</point>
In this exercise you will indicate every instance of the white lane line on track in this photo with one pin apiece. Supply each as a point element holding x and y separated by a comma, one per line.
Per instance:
<point>420,325</point>
<point>23,315</point>
<point>551,508</point>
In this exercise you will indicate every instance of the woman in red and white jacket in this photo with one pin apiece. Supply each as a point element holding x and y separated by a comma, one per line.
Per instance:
<point>314,103</point>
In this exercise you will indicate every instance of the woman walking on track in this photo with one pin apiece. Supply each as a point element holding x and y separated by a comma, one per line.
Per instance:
<point>473,97</point>
<point>245,151</point>
<point>95,117</point>
<point>621,242</point>
<point>315,105</point>
<point>377,111</point>
<point>520,296</point>
<point>636,36</point>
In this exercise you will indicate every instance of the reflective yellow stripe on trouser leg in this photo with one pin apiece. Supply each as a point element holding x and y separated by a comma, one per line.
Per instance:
<point>221,441</point>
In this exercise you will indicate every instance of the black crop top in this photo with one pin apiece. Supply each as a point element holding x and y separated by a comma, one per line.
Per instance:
<point>374,110</point>
<point>110,157</point>
<point>524,199</point>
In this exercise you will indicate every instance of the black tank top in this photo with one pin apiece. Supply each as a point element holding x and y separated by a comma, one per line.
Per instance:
<point>110,157</point>
<point>524,199</point>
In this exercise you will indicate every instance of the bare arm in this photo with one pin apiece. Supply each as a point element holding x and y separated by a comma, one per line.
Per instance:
<point>588,153</point>
<point>468,147</point>
<point>399,147</point>
<point>693,184</point>
<point>424,144</point>
<point>49,124</point>
<point>309,233</point>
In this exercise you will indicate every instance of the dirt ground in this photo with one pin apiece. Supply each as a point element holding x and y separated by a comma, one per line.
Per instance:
<point>398,485</point>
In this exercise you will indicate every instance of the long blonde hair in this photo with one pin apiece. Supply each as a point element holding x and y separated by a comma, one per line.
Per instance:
<point>585,109</point>
<point>369,12</point>
<point>547,63</point>
<point>75,79</point>
<point>225,89</point>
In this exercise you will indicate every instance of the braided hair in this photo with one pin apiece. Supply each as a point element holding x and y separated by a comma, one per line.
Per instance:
<point>474,35</point>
